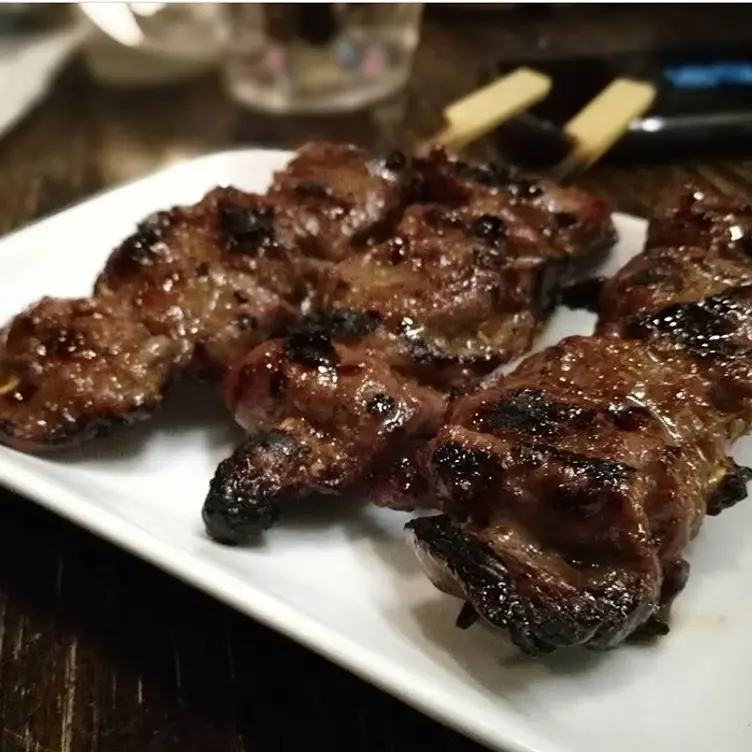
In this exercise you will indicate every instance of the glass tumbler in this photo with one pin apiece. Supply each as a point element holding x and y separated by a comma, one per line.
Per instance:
<point>318,57</point>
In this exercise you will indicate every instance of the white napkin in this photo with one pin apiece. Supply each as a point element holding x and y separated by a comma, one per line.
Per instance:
<point>28,64</point>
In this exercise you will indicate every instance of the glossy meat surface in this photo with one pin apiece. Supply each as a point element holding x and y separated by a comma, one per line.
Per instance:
<point>215,279</point>
<point>322,406</point>
<point>343,197</point>
<point>571,487</point>
<point>470,276</point>
<point>218,277</point>
<point>75,368</point>
<point>464,283</point>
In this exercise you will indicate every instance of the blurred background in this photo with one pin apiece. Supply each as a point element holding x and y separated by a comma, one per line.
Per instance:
<point>99,93</point>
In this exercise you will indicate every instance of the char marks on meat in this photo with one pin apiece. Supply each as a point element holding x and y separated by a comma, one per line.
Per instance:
<point>463,283</point>
<point>570,488</point>
<point>337,389</point>
<point>189,292</point>
<point>75,368</point>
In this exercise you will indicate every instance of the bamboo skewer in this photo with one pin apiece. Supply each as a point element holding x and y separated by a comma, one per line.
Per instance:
<point>477,114</point>
<point>602,122</point>
<point>589,134</point>
<point>11,382</point>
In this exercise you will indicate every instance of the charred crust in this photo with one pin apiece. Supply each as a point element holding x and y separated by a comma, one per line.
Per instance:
<point>731,489</point>
<point>202,270</point>
<point>598,473</point>
<point>488,227</point>
<point>548,288</point>
<point>579,503</point>
<point>246,225</point>
<point>530,411</point>
<point>144,243</point>
<point>490,175</point>
<point>583,295</point>
<point>537,625</point>
<point>704,328</point>
<point>313,189</point>
<point>429,354</point>
<point>380,404</point>
<point>74,432</point>
<point>277,384</point>
<point>312,348</point>
<point>343,324</point>
<point>629,417</point>
<point>466,617</point>
<point>243,501</point>
<point>396,161</point>
<point>398,250</point>
<point>565,220</point>
<point>465,473</point>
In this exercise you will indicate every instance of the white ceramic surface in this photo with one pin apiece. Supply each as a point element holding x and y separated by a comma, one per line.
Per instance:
<point>345,583</point>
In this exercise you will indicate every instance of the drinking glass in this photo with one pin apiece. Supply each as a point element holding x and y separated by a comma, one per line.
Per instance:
<point>318,57</point>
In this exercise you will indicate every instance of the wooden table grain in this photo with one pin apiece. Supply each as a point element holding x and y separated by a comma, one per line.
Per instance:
<point>99,651</point>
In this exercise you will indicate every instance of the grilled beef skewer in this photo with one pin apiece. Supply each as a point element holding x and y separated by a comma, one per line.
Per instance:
<point>190,291</point>
<point>571,487</point>
<point>463,285</point>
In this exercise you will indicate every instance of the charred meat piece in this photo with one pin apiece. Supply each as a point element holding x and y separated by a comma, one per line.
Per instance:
<point>445,283</point>
<point>323,406</point>
<point>77,368</point>
<point>456,291</point>
<point>469,282</point>
<point>218,277</point>
<point>214,279</point>
<point>211,280</point>
<point>401,483</point>
<point>538,213</point>
<point>702,218</point>
<point>342,197</point>
<point>571,487</point>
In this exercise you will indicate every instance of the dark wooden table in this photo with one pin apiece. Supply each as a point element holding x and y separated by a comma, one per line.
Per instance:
<point>99,651</point>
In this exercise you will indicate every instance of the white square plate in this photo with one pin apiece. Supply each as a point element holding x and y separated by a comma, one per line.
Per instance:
<point>344,583</point>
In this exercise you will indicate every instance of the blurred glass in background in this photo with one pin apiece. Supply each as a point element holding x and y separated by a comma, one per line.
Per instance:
<point>281,58</point>
<point>318,57</point>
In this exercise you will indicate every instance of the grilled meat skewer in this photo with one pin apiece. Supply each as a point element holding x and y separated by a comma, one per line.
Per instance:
<point>193,289</point>
<point>321,406</point>
<point>571,487</point>
<point>464,284</point>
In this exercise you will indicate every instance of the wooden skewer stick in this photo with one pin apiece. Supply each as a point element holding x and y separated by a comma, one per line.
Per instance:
<point>589,134</point>
<point>479,113</point>
<point>9,385</point>
<point>601,123</point>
